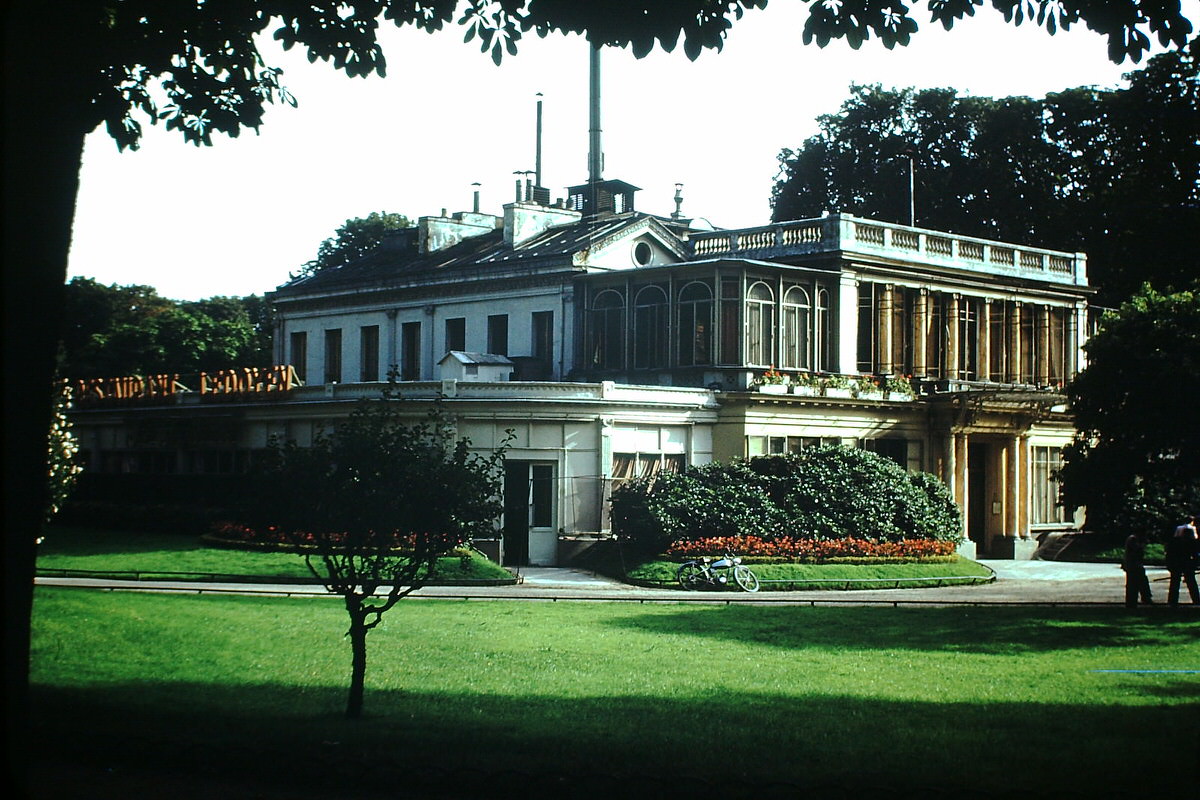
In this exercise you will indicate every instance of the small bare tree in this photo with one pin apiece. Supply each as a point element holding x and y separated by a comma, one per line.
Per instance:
<point>374,504</point>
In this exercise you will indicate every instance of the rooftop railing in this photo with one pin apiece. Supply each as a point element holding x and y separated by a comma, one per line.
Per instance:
<point>842,232</point>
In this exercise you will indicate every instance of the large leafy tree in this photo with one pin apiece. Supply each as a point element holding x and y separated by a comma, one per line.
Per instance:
<point>1115,174</point>
<point>74,65</point>
<point>1135,460</point>
<point>375,504</point>
<point>131,330</point>
<point>356,238</point>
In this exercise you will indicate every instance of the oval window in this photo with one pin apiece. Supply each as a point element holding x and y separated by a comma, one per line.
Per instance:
<point>642,254</point>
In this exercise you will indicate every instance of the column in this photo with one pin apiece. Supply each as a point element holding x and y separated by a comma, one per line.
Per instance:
<point>1014,343</point>
<point>984,373</point>
<point>1042,317</point>
<point>950,362</point>
<point>921,334</point>
<point>950,466</point>
<point>1012,487</point>
<point>280,344</point>
<point>847,329</point>
<point>883,357</point>
<point>961,474</point>
<point>1076,331</point>
<point>393,361</point>
<point>1025,468</point>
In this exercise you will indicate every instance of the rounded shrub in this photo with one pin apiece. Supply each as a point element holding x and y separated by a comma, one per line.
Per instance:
<point>824,493</point>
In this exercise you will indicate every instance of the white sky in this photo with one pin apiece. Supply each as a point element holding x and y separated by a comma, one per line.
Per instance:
<point>236,218</point>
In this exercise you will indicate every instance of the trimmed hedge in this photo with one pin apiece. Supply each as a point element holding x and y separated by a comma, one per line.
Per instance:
<point>824,493</point>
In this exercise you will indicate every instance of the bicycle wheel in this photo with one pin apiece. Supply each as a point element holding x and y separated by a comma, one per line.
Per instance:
<point>690,576</point>
<point>745,578</point>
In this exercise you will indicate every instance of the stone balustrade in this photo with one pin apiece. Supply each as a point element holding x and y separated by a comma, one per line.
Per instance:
<point>868,237</point>
<point>530,391</point>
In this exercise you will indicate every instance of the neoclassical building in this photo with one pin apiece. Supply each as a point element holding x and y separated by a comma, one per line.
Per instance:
<point>614,342</point>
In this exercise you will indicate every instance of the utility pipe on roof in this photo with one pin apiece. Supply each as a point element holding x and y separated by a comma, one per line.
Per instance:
<point>595,154</point>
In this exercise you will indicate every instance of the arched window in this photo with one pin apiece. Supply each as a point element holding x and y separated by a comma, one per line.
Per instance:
<point>760,325</point>
<point>695,324</point>
<point>650,328</point>
<point>606,330</point>
<point>797,329</point>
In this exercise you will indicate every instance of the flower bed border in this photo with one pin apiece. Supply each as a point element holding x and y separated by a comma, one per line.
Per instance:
<point>805,550</point>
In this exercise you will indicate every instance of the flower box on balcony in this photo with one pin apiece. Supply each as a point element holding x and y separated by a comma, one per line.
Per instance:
<point>839,391</point>
<point>870,394</point>
<point>772,388</point>
<point>806,391</point>
<point>900,397</point>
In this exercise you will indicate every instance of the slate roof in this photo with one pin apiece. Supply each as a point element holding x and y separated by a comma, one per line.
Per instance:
<point>475,255</point>
<point>484,359</point>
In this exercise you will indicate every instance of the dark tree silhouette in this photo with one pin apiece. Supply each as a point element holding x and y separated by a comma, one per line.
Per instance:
<point>356,238</point>
<point>1113,173</point>
<point>1135,461</point>
<point>73,65</point>
<point>131,330</point>
<point>374,505</point>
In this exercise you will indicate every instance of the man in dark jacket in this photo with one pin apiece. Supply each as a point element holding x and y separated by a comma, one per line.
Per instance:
<point>1134,564</point>
<point>1181,561</point>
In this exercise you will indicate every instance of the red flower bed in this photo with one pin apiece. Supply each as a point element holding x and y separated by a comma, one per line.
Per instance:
<point>810,549</point>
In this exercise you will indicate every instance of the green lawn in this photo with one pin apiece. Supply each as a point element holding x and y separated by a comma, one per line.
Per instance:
<point>549,700</point>
<point>150,555</point>
<point>786,577</point>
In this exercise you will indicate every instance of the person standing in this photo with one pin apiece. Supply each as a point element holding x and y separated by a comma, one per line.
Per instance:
<point>1181,561</point>
<point>1134,563</point>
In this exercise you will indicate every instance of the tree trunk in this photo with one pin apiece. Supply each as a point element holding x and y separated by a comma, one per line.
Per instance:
<point>358,656</point>
<point>45,121</point>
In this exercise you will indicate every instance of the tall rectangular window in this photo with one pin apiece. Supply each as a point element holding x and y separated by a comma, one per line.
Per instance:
<point>541,496</point>
<point>998,341</point>
<point>935,348</point>
<point>497,334</point>
<point>456,334</point>
<point>542,345</point>
<point>968,338</point>
<point>730,319</point>
<point>1028,343</point>
<point>1044,487</point>
<point>298,357</point>
<point>866,327</point>
<point>410,351</point>
<point>368,353</point>
<point>333,355</point>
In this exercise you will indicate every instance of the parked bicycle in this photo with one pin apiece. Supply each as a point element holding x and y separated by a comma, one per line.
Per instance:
<point>702,573</point>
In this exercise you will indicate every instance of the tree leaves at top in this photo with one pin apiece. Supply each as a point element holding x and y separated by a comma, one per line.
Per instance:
<point>355,239</point>
<point>197,67</point>
<point>1115,174</point>
<point>1135,461</point>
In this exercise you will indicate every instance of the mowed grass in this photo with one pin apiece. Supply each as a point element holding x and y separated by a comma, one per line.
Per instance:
<point>149,555</point>
<point>482,699</point>
<point>880,575</point>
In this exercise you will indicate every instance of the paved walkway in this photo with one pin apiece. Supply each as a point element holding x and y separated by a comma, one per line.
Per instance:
<point>1017,582</point>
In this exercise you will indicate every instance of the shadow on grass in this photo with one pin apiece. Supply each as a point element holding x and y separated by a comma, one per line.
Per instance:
<point>185,739</point>
<point>952,629</point>
<point>71,541</point>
